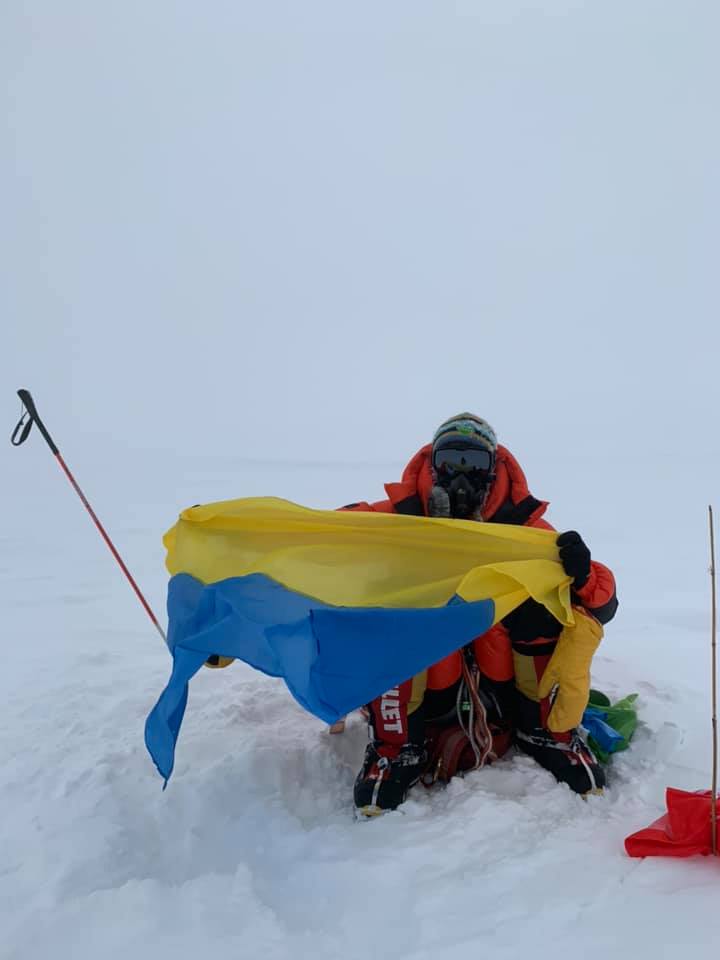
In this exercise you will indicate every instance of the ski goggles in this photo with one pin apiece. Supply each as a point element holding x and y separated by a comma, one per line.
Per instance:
<point>449,461</point>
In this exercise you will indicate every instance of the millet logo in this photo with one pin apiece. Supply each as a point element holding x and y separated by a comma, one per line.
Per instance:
<point>390,711</point>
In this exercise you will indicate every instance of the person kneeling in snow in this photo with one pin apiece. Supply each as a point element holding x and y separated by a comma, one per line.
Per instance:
<point>470,707</point>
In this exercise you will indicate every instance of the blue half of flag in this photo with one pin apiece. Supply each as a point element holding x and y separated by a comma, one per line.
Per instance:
<point>333,659</point>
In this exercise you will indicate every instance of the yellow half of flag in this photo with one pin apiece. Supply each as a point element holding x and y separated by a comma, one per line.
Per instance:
<point>356,559</point>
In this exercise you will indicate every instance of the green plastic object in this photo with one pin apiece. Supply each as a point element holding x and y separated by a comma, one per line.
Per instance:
<point>621,716</point>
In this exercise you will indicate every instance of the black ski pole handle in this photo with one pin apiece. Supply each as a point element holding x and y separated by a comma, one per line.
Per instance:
<point>23,428</point>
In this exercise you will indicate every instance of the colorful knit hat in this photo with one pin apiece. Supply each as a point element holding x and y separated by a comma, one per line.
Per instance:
<point>466,426</point>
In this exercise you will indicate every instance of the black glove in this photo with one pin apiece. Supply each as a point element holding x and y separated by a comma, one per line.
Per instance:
<point>575,557</point>
<point>529,621</point>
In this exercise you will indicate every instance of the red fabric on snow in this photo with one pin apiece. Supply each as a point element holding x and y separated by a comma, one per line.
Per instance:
<point>684,831</point>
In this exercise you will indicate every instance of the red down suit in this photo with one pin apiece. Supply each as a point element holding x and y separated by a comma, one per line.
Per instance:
<point>513,654</point>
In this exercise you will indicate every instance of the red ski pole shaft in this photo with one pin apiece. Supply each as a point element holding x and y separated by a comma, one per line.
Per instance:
<point>23,429</point>
<point>713,687</point>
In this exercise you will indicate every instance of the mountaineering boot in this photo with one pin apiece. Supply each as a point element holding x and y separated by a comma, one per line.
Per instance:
<point>386,776</point>
<point>566,756</point>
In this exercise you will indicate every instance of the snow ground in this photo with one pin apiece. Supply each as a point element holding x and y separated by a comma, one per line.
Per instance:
<point>253,850</point>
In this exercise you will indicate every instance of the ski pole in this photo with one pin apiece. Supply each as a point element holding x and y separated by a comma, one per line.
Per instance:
<point>713,688</point>
<point>19,436</point>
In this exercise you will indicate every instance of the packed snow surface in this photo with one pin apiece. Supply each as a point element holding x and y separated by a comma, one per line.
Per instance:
<point>253,850</point>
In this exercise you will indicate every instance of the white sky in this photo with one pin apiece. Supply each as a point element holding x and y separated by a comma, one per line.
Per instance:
<point>315,230</point>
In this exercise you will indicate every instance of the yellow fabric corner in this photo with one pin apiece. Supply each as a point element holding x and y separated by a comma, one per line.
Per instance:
<point>221,664</point>
<point>360,559</point>
<point>569,670</point>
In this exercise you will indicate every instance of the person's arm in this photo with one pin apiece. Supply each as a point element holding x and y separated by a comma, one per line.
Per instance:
<point>380,506</point>
<point>599,596</point>
<point>594,584</point>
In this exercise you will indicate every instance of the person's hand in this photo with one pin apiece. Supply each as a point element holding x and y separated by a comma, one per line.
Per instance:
<point>575,557</point>
<point>216,661</point>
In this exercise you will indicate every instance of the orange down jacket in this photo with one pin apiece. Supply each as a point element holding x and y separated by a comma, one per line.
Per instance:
<point>509,501</point>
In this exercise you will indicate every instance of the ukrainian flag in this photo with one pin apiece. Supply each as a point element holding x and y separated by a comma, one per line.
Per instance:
<point>342,605</point>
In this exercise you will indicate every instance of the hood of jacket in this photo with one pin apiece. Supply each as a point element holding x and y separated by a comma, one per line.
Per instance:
<point>509,499</point>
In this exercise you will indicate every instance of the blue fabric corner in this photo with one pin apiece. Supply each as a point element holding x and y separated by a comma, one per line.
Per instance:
<point>604,735</point>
